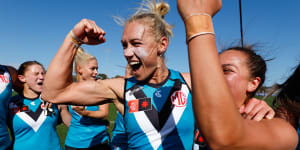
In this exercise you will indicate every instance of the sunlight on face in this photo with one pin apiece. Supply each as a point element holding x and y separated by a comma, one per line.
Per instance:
<point>140,49</point>
<point>236,73</point>
<point>89,70</point>
<point>34,77</point>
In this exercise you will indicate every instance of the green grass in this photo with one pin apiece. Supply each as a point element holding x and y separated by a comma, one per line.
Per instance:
<point>269,100</point>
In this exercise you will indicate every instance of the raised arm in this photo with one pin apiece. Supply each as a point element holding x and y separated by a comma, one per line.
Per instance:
<point>58,86</point>
<point>214,107</point>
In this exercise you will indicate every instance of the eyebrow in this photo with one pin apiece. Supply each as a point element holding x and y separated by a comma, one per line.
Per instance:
<point>132,40</point>
<point>228,65</point>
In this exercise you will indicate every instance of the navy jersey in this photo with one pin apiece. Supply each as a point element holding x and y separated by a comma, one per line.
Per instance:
<point>159,116</point>
<point>5,93</point>
<point>119,137</point>
<point>31,126</point>
<point>85,132</point>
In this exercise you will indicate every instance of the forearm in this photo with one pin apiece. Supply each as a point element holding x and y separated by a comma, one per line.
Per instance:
<point>65,114</point>
<point>214,108</point>
<point>59,73</point>
<point>96,114</point>
<point>102,113</point>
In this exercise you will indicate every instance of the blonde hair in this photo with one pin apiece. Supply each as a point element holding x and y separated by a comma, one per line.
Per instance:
<point>80,59</point>
<point>152,14</point>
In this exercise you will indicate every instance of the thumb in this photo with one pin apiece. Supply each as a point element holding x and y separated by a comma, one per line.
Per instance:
<point>242,109</point>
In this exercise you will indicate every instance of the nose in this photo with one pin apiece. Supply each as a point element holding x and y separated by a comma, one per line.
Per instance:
<point>129,52</point>
<point>96,71</point>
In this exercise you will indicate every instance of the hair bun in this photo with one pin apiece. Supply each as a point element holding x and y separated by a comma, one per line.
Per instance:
<point>79,51</point>
<point>162,9</point>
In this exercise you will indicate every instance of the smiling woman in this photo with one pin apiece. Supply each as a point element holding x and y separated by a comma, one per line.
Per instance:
<point>154,115</point>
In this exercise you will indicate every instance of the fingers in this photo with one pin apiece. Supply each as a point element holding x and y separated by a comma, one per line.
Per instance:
<point>89,32</point>
<point>251,104</point>
<point>258,109</point>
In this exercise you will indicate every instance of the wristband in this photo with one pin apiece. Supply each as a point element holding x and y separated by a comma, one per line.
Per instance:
<point>76,41</point>
<point>198,24</point>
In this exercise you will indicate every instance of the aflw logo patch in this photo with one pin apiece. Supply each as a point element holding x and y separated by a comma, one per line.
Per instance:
<point>179,99</point>
<point>142,104</point>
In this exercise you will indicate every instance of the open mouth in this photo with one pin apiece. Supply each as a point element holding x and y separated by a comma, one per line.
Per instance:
<point>135,65</point>
<point>40,83</point>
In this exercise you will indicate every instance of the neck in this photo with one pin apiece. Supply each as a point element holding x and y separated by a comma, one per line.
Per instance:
<point>160,74</point>
<point>30,94</point>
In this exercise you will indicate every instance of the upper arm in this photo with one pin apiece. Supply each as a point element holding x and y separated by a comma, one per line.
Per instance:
<point>275,134</point>
<point>187,77</point>
<point>89,92</point>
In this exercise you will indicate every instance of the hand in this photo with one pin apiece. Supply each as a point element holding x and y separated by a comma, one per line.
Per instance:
<point>187,7</point>
<point>256,109</point>
<point>79,109</point>
<point>89,32</point>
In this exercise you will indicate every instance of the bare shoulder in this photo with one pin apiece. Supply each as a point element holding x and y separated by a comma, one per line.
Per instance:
<point>271,134</point>
<point>187,77</point>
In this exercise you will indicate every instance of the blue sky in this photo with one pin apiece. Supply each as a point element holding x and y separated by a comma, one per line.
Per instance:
<point>35,29</point>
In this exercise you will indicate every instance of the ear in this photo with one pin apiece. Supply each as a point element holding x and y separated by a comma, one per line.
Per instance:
<point>22,78</point>
<point>163,44</point>
<point>253,84</point>
<point>79,69</point>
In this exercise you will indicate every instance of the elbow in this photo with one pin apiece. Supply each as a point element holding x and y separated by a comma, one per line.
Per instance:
<point>224,144</point>
<point>224,140</point>
<point>47,98</point>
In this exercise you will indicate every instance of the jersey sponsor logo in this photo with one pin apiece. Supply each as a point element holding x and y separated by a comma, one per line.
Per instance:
<point>158,94</point>
<point>33,119</point>
<point>179,99</point>
<point>143,104</point>
<point>4,81</point>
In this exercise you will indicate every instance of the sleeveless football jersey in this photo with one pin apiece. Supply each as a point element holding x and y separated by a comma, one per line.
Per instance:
<point>31,126</point>
<point>85,132</point>
<point>119,137</point>
<point>5,93</point>
<point>159,116</point>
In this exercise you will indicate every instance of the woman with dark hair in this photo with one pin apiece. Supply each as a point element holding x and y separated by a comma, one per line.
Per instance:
<point>215,97</point>
<point>31,121</point>
<point>244,71</point>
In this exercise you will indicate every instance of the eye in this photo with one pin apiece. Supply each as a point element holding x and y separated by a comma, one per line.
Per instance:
<point>226,70</point>
<point>124,45</point>
<point>136,44</point>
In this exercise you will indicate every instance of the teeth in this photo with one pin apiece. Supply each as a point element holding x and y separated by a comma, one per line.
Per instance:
<point>134,63</point>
